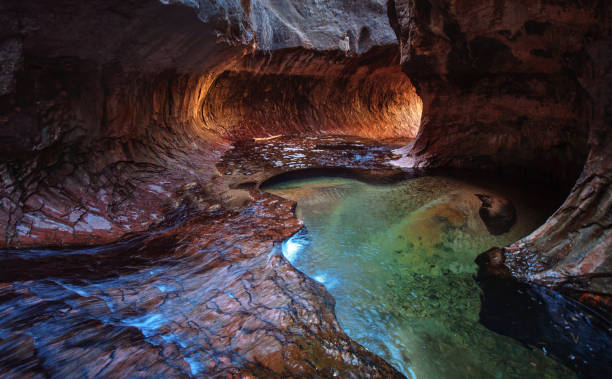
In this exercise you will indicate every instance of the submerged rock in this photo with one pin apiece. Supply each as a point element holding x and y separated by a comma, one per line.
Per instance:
<point>497,213</point>
<point>499,91</point>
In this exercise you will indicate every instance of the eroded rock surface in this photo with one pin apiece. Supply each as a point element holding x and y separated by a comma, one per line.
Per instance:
<point>207,294</point>
<point>112,124</point>
<point>249,164</point>
<point>109,109</point>
<point>307,92</point>
<point>521,88</point>
<point>114,114</point>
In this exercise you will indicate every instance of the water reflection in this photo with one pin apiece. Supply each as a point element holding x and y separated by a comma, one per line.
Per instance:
<point>192,300</point>
<point>399,260</point>
<point>538,316</point>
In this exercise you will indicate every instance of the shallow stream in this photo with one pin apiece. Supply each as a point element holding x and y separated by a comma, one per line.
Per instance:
<point>399,260</point>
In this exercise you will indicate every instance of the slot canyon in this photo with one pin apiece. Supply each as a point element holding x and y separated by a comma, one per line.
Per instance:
<point>149,219</point>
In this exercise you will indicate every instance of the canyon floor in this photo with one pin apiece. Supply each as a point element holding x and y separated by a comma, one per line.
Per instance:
<point>209,292</point>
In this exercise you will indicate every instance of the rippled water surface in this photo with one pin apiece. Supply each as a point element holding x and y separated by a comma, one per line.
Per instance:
<point>399,260</point>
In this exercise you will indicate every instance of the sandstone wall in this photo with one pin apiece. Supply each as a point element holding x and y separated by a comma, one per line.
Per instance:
<point>522,86</point>
<point>108,110</point>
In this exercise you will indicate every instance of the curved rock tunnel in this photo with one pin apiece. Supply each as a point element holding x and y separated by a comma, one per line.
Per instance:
<point>365,96</point>
<point>115,114</point>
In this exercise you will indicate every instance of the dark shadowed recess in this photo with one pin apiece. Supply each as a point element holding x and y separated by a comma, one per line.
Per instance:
<point>365,175</point>
<point>578,335</point>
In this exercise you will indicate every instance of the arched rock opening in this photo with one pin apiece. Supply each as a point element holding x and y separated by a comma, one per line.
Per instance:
<point>113,115</point>
<point>301,92</point>
<point>104,126</point>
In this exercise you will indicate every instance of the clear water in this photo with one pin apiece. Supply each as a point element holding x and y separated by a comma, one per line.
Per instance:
<point>399,260</point>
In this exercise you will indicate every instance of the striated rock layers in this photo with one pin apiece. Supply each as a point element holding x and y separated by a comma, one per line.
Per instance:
<point>209,297</point>
<point>108,109</point>
<point>114,114</point>
<point>522,87</point>
<point>112,117</point>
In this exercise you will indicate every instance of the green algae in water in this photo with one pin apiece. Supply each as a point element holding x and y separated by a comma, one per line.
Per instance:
<point>399,260</point>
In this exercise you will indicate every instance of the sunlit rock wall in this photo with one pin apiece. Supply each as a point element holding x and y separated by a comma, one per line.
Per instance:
<point>298,92</point>
<point>108,109</point>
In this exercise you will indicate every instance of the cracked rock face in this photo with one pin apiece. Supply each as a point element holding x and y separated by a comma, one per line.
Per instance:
<point>209,297</point>
<point>115,114</point>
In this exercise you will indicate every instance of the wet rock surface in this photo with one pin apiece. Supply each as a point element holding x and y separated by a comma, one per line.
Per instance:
<point>89,125</point>
<point>250,163</point>
<point>521,88</point>
<point>576,332</point>
<point>104,133</point>
<point>210,297</point>
<point>209,294</point>
<point>497,213</point>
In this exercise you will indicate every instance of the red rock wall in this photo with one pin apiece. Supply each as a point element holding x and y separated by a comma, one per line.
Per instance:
<point>523,87</point>
<point>95,181</point>
<point>99,123</point>
<point>102,134</point>
<point>109,110</point>
<point>304,92</point>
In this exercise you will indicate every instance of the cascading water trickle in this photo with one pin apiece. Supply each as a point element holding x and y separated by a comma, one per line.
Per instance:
<point>135,136</point>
